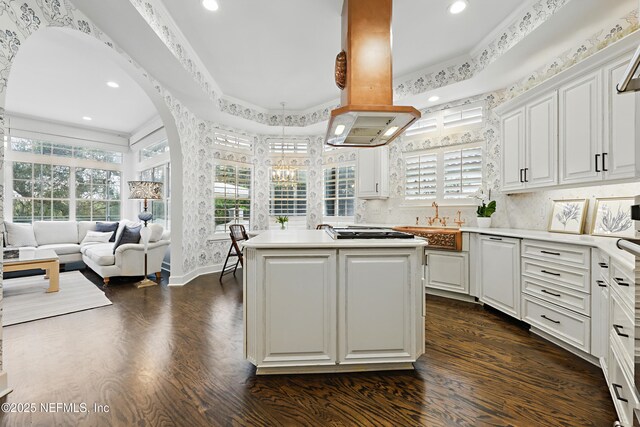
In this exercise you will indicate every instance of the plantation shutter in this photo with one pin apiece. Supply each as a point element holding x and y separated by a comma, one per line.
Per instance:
<point>421,177</point>
<point>462,172</point>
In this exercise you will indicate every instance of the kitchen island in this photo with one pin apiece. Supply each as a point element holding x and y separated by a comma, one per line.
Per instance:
<point>317,304</point>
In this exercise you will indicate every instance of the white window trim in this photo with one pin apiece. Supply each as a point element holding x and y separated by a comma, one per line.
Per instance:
<point>440,129</point>
<point>220,235</point>
<point>439,199</point>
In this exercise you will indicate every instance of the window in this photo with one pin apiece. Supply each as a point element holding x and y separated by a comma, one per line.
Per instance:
<point>40,192</point>
<point>456,119</point>
<point>154,150</point>
<point>339,191</point>
<point>159,208</point>
<point>232,192</point>
<point>44,148</point>
<point>288,146</point>
<point>444,174</point>
<point>97,195</point>
<point>287,200</point>
<point>232,140</point>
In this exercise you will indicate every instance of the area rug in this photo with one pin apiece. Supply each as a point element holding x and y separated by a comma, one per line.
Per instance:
<point>25,299</point>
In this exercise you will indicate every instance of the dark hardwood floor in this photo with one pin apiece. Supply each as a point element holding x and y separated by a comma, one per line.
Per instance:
<point>173,357</point>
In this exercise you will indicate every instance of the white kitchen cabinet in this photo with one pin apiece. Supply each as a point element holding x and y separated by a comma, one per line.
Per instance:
<point>298,309</point>
<point>530,145</point>
<point>373,173</point>
<point>513,151</point>
<point>619,154</point>
<point>580,128</point>
<point>376,326</point>
<point>500,273</point>
<point>447,271</point>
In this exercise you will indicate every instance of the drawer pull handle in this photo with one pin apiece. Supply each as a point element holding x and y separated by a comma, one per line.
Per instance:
<point>615,390</point>
<point>617,329</point>
<point>549,272</point>
<point>620,281</point>
<point>551,293</point>
<point>549,319</point>
<point>551,253</point>
<point>603,265</point>
<point>601,283</point>
<point>495,238</point>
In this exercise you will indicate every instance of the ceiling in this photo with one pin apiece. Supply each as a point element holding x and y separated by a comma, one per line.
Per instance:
<point>262,53</point>
<point>61,76</point>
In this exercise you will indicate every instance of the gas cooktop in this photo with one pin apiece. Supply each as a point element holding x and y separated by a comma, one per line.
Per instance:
<point>367,233</point>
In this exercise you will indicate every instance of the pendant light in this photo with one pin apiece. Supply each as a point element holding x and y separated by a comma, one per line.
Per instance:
<point>282,173</point>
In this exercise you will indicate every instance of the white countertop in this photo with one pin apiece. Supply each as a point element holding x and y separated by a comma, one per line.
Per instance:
<point>282,239</point>
<point>606,244</point>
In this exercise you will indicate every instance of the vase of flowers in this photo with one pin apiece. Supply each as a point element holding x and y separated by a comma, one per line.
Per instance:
<point>485,209</point>
<point>282,220</point>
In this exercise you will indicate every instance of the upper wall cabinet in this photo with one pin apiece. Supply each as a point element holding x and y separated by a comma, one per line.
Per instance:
<point>530,145</point>
<point>573,129</point>
<point>373,173</point>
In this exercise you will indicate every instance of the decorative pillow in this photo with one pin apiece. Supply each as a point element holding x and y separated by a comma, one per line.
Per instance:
<point>20,234</point>
<point>108,226</point>
<point>97,236</point>
<point>156,232</point>
<point>128,235</point>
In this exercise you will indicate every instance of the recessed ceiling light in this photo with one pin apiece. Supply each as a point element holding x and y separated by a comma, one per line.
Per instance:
<point>339,130</point>
<point>458,6</point>
<point>433,98</point>
<point>113,85</point>
<point>211,5</point>
<point>87,118</point>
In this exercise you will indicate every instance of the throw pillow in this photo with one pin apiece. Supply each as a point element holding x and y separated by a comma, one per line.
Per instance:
<point>156,232</point>
<point>20,234</point>
<point>108,226</point>
<point>97,236</point>
<point>128,235</point>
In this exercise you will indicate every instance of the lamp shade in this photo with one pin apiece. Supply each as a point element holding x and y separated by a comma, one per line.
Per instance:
<point>145,190</point>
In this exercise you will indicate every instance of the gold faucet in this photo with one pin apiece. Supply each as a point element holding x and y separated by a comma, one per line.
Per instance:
<point>444,220</point>
<point>431,220</point>
<point>459,221</point>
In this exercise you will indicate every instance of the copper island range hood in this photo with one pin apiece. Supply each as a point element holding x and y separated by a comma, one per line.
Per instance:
<point>367,116</point>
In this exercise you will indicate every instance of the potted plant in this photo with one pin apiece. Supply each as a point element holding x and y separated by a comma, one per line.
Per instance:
<point>282,220</point>
<point>486,208</point>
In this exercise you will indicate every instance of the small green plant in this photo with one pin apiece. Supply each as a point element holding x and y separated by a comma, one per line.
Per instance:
<point>487,206</point>
<point>282,220</point>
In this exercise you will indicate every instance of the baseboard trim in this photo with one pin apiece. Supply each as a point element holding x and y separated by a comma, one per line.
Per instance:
<point>450,295</point>
<point>4,385</point>
<point>183,280</point>
<point>586,356</point>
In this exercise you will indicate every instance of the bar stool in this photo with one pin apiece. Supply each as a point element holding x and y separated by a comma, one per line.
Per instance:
<point>238,234</point>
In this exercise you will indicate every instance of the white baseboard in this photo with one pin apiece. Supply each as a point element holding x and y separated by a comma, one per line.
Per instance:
<point>450,295</point>
<point>183,280</point>
<point>4,385</point>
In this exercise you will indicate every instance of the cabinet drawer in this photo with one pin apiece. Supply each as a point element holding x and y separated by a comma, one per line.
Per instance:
<point>621,388</point>
<point>564,297</point>
<point>576,256</point>
<point>621,328</point>
<point>622,281</point>
<point>571,277</point>
<point>570,327</point>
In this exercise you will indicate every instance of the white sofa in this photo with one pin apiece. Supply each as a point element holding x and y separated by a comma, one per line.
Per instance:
<point>65,238</point>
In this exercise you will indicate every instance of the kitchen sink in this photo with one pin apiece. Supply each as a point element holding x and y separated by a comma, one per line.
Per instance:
<point>438,238</point>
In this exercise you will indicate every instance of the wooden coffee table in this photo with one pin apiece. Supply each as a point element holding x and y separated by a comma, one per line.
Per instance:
<point>32,259</point>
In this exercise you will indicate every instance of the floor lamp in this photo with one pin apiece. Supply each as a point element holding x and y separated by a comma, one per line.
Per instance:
<point>145,190</point>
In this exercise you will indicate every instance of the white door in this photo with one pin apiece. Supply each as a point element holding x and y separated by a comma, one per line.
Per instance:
<point>298,307</point>
<point>580,137</point>
<point>448,271</point>
<point>500,273</point>
<point>541,143</point>
<point>619,155</point>
<point>513,136</point>
<point>376,325</point>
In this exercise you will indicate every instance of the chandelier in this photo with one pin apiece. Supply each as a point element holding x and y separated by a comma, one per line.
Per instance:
<point>283,173</point>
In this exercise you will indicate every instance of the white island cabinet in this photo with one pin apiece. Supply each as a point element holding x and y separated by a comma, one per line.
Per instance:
<point>315,304</point>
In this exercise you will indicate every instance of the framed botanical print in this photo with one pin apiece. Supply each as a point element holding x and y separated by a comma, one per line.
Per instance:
<point>568,216</point>
<point>612,217</point>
